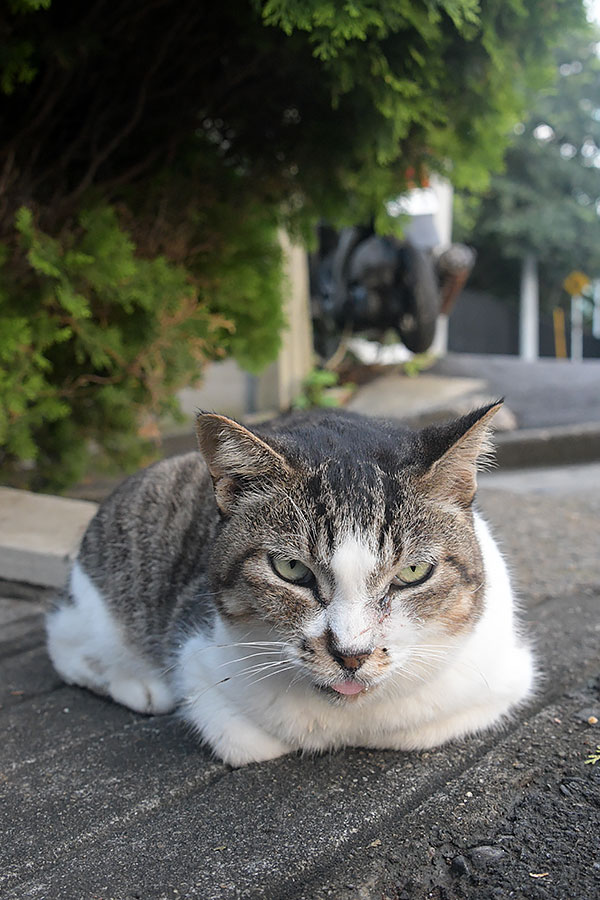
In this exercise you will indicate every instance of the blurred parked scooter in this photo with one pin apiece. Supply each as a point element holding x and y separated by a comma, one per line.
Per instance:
<point>366,283</point>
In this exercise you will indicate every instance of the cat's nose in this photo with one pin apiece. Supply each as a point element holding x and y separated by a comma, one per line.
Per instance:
<point>349,659</point>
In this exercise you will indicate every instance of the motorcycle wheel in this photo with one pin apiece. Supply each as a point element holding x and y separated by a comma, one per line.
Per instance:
<point>421,300</point>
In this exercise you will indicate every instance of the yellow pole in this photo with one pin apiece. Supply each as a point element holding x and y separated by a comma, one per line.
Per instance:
<point>560,337</point>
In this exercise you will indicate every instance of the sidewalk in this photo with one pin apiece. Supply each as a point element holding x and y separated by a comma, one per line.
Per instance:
<point>97,802</point>
<point>552,407</point>
<point>546,394</point>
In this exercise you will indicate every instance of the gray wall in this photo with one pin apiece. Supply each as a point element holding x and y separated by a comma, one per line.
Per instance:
<point>481,323</point>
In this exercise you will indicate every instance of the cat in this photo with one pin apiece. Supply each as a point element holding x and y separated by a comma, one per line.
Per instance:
<point>319,582</point>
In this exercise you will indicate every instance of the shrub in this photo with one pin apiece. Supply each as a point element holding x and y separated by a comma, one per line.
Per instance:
<point>95,338</point>
<point>149,151</point>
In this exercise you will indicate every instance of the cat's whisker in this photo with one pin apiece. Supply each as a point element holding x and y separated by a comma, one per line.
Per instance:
<point>256,667</point>
<point>261,667</point>
<point>269,674</point>
<point>434,647</point>
<point>424,652</point>
<point>432,660</point>
<point>193,698</point>
<point>429,657</point>
<point>298,677</point>
<point>471,667</point>
<point>249,644</point>
<point>407,673</point>
<point>166,669</point>
<point>230,662</point>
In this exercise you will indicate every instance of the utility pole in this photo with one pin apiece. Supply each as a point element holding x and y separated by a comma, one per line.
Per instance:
<point>529,310</point>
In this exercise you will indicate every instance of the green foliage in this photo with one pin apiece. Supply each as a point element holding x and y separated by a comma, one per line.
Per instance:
<point>243,282</point>
<point>96,339</point>
<point>419,363</point>
<point>547,202</point>
<point>316,390</point>
<point>331,107</point>
<point>144,173</point>
<point>331,28</point>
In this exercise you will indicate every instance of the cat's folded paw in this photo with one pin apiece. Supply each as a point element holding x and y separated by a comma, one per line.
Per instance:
<point>241,743</point>
<point>150,695</point>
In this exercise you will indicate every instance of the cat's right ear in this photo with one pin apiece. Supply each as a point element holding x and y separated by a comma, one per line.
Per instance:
<point>235,457</point>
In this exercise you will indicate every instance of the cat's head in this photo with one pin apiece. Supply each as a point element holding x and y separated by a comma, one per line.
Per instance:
<point>351,539</point>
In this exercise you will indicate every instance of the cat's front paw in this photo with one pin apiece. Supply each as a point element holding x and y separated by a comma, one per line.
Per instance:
<point>242,743</point>
<point>149,695</point>
<point>235,740</point>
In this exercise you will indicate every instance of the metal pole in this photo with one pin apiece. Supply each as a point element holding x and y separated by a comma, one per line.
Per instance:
<point>560,339</point>
<point>596,315</point>
<point>529,310</point>
<point>251,393</point>
<point>576,329</point>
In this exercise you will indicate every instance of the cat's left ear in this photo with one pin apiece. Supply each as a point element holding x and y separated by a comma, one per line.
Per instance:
<point>456,451</point>
<point>235,457</point>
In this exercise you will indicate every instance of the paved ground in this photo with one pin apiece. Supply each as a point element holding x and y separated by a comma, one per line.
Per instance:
<point>551,414</point>
<point>543,394</point>
<point>549,393</point>
<point>96,802</point>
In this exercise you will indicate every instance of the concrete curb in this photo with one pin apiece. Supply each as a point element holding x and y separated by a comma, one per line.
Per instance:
<point>557,446</point>
<point>39,536</point>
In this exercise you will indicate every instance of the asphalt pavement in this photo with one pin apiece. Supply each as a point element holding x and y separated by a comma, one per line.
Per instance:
<point>551,414</point>
<point>542,394</point>
<point>97,802</point>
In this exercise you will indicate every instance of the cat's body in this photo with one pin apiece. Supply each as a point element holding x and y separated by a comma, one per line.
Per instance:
<point>334,589</point>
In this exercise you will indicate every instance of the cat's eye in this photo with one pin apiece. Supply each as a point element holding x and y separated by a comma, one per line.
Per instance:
<point>414,574</point>
<point>292,570</point>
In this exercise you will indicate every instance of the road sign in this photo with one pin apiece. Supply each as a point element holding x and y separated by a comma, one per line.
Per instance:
<point>575,283</point>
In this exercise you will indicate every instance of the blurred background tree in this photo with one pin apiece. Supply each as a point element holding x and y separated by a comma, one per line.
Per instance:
<point>150,151</point>
<point>546,203</point>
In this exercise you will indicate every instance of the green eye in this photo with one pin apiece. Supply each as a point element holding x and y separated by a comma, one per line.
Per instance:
<point>414,574</point>
<point>292,570</point>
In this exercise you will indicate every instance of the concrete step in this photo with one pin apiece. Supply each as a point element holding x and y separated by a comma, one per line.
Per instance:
<point>39,535</point>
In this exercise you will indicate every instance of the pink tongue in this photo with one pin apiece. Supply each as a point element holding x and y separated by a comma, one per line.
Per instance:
<point>347,687</point>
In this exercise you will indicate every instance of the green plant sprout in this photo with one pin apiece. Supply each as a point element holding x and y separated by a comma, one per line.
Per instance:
<point>419,363</point>
<point>593,757</point>
<point>316,390</point>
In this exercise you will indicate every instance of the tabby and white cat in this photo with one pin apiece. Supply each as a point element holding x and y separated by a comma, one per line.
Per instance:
<point>320,582</point>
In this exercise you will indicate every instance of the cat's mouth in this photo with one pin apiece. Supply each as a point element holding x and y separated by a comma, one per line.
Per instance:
<point>346,688</point>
